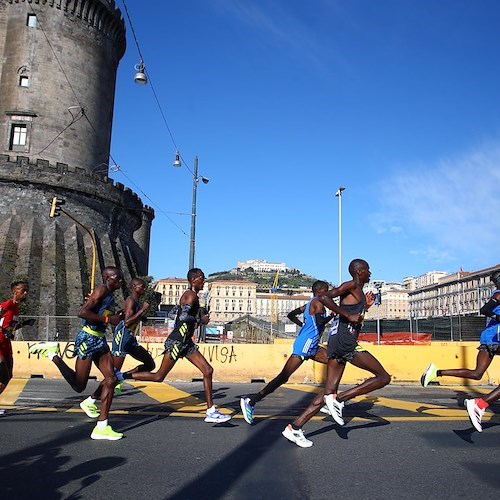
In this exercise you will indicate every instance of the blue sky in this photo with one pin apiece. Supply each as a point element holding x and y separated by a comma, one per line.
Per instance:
<point>284,101</point>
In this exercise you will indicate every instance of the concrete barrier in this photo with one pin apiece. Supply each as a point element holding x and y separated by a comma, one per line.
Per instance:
<point>250,362</point>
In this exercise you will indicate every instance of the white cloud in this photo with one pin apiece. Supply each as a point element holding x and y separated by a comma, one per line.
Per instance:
<point>454,203</point>
<point>433,254</point>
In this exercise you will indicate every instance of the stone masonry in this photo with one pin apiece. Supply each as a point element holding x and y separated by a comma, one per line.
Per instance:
<point>58,62</point>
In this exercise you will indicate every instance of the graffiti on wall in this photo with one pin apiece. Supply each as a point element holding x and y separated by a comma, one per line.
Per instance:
<point>220,353</point>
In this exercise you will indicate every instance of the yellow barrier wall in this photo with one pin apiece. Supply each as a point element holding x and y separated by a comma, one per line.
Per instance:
<point>244,363</point>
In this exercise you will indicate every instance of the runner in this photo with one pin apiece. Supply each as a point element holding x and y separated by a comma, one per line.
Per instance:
<point>179,344</point>
<point>90,345</point>
<point>9,323</point>
<point>342,348</point>
<point>306,346</point>
<point>124,340</point>
<point>489,346</point>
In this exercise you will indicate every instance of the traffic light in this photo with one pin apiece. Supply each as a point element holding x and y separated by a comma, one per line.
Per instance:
<point>55,206</point>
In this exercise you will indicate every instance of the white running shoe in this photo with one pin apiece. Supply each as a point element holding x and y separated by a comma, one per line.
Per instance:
<point>475,413</point>
<point>324,409</point>
<point>247,410</point>
<point>335,408</point>
<point>216,417</point>
<point>296,437</point>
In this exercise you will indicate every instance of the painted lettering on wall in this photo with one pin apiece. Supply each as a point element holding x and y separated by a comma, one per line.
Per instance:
<point>66,350</point>
<point>221,353</point>
<point>213,353</point>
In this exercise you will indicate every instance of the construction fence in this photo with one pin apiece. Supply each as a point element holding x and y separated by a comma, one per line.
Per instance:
<point>250,330</point>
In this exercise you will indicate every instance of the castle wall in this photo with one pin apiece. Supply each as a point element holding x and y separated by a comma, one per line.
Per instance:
<point>58,62</point>
<point>55,254</point>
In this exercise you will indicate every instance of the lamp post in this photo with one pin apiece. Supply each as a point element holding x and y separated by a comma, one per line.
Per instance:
<point>192,240</point>
<point>193,215</point>
<point>338,194</point>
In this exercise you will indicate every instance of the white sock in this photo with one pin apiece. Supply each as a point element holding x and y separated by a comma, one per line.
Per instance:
<point>51,355</point>
<point>90,400</point>
<point>211,410</point>
<point>102,424</point>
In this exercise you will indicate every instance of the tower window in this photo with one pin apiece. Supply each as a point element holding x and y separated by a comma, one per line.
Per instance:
<point>31,20</point>
<point>24,81</point>
<point>18,136</point>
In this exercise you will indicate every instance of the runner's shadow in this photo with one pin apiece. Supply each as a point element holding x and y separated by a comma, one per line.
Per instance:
<point>44,469</point>
<point>216,394</point>
<point>343,431</point>
<point>466,434</point>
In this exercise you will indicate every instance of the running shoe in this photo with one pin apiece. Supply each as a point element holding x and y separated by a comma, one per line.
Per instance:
<point>44,348</point>
<point>247,410</point>
<point>118,389</point>
<point>106,433</point>
<point>296,437</point>
<point>216,417</point>
<point>475,413</point>
<point>429,375</point>
<point>324,409</point>
<point>89,408</point>
<point>335,408</point>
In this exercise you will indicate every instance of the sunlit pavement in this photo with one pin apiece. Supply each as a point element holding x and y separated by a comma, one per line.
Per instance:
<point>398,442</point>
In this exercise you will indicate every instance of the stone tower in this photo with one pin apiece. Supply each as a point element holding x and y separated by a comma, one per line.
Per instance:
<point>58,63</point>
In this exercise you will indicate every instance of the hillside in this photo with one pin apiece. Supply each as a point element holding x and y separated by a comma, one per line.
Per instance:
<point>291,280</point>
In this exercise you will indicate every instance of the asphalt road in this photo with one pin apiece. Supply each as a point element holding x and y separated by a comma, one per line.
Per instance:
<point>399,442</point>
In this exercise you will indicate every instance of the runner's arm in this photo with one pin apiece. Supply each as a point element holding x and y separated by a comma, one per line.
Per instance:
<point>292,315</point>
<point>323,320</point>
<point>488,308</point>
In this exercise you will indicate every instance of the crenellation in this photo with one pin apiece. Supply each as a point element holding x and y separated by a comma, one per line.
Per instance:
<point>89,36</point>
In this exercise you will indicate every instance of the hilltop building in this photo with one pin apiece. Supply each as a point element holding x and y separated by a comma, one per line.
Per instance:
<point>261,266</point>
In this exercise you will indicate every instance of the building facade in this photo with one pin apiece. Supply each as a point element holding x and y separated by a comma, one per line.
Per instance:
<point>171,290</point>
<point>458,294</point>
<point>230,299</point>
<point>283,304</point>
<point>57,84</point>
<point>393,304</point>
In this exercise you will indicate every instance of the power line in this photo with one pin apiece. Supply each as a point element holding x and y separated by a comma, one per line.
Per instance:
<point>152,86</point>
<point>82,113</point>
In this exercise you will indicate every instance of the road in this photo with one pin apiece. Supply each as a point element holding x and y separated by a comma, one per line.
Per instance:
<point>399,442</point>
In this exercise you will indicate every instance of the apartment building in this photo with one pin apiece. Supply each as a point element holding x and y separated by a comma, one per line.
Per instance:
<point>458,294</point>
<point>278,305</point>
<point>394,301</point>
<point>171,290</point>
<point>230,299</point>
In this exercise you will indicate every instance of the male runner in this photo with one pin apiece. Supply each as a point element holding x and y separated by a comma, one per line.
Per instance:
<point>179,344</point>
<point>124,340</point>
<point>306,346</point>
<point>489,345</point>
<point>90,345</point>
<point>9,323</point>
<point>343,347</point>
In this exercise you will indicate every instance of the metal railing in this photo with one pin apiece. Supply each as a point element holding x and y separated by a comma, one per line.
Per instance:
<point>252,330</point>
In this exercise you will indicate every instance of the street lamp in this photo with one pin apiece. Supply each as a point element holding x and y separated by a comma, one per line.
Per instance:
<point>177,163</point>
<point>140,77</point>
<point>338,194</point>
